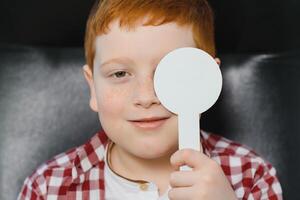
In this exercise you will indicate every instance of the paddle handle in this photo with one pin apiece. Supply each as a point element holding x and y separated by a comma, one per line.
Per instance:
<point>189,134</point>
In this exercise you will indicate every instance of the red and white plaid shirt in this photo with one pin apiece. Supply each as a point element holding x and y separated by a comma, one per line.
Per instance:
<point>79,172</point>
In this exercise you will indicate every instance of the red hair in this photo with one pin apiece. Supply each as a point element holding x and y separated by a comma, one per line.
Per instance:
<point>195,13</point>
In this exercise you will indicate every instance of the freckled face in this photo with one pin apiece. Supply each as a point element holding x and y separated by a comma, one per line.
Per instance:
<point>124,67</point>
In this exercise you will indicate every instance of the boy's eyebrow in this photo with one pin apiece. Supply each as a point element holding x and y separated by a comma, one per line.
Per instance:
<point>125,60</point>
<point>116,60</point>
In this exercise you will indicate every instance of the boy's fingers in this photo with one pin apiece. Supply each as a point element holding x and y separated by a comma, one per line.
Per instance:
<point>189,157</point>
<point>182,179</point>
<point>181,193</point>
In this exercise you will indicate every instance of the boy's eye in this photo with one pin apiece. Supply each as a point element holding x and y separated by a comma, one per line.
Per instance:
<point>119,74</point>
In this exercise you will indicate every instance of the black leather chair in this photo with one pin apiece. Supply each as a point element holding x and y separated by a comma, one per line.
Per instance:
<point>44,110</point>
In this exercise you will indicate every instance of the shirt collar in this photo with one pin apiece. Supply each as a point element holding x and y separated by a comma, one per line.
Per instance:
<point>206,149</point>
<point>92,153</point>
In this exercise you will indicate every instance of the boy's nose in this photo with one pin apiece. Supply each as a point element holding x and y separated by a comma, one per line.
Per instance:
<point>144,94</point>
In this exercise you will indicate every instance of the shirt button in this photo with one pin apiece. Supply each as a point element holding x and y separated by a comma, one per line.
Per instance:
<point>144,186</point>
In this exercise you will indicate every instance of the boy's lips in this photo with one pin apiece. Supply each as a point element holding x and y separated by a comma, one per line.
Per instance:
<point>150,122</point>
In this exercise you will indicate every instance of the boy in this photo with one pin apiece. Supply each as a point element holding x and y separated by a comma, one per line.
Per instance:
<point>136,155</point>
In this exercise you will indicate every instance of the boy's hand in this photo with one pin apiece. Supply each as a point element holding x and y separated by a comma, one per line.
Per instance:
<point>205,181</point>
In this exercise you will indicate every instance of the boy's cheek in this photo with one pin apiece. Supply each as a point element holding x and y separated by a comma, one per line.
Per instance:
<point>111,101</point>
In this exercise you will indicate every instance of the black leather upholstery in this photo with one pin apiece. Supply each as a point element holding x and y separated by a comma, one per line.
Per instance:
<point>260,106</point>
<point>44,110</point>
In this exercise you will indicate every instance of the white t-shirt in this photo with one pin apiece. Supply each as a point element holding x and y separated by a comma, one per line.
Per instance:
<point>117,187</point>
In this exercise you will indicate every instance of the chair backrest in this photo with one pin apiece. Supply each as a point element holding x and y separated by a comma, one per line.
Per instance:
<point>260,107</point>
<point>44,110</point>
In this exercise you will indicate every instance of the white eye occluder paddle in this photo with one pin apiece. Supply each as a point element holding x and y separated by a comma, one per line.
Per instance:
<point>188,81</point>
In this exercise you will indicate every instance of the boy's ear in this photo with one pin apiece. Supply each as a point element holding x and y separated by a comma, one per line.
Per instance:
<point>218,61</point>
<point>89,78</point>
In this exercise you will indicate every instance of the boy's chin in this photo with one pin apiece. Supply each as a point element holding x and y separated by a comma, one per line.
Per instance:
<point>155,152</point>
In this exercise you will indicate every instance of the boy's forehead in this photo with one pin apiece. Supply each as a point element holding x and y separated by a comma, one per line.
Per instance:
<point>142,42</point>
